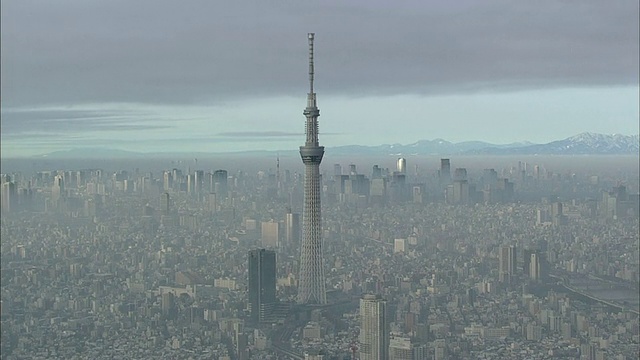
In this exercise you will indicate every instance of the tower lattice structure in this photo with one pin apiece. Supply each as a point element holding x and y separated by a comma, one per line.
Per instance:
<point>311,285</point>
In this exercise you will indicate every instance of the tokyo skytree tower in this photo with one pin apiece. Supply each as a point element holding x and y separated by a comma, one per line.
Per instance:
<point>311,286</point>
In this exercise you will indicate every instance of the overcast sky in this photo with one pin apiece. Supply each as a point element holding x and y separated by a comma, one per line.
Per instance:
<point>232,75</point>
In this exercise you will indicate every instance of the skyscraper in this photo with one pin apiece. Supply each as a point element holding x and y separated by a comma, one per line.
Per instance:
<point>57,190</point>
<point>220,183</point>
<point>534,266</point>
<point>8,196</point>
<point>508,263</point>
<point>292,228</point>
<point>401,165</point>
<point>311,286</point>
<point>262,281</point>
<point>445,171</point>
<point>374,328</point>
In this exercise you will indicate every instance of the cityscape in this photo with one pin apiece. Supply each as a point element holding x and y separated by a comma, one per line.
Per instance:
<point>123,237</point>
<point>516,262</point>
<point>519,262</point>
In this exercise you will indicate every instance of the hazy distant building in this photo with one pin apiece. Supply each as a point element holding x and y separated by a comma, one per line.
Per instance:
<point>262,282</point>
<point>9,195</point>
<point>401,166</point>
<point>374,328</point>
<point>378,191</point>
<point>57,190</point>
<point>460,194</point>
<point>404,348</point>
<point>508,262</point>
<point>270,233</point>
<point>535,266</point>
<point>418,194</point>
<point>440,349</point>
<point>220,185</point>
<point>292,229</point>
<point>198,181</point>
<point>445,171</point>
<point>212,203</point>
<point>460,174</point>
<point>376,172</point>
<point>167,180</point>
<point>165,204</point>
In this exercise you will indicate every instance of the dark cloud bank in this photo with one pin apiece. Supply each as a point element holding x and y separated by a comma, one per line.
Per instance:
<point>70,52</point>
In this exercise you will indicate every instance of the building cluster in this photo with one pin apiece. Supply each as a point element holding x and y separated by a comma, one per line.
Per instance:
<point>124,266</point>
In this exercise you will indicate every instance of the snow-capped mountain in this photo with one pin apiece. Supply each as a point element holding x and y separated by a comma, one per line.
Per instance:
<point>584,143</point>
<point>581,144</point>
<point>424,147</point>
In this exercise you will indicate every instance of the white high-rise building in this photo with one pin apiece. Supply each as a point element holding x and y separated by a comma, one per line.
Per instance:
<point>374,328</point>
<point>401,165</point>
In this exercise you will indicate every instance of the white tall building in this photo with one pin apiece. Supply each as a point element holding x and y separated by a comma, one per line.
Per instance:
<point>374,328</point>
<point>401,165</point>
<point>57,190</point>
<point>534,267</point>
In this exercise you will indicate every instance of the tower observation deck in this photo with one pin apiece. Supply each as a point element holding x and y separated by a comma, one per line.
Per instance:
<point>311,284</point>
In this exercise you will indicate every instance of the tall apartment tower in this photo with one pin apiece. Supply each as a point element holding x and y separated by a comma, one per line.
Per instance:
<point>508,262</point>
<point>374,328</point>
<point>262,281</point>
<point>311,286</point>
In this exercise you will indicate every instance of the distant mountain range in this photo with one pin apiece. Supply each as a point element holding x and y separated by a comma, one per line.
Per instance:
<point>581,144</point>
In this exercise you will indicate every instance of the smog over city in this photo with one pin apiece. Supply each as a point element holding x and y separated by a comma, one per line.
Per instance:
<point>319,180</point>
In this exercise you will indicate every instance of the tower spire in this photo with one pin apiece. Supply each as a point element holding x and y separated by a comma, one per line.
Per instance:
<point>311,36</point>
<point>311,286</point>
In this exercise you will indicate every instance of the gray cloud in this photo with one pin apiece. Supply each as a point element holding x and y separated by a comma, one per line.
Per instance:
<point>164,51</point>
<point>259,134</point>
<point>60,121</point>
<point>266,134</point>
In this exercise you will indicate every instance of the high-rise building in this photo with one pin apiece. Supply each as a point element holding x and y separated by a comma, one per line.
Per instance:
<point>374,328</point>
<point>270,233</point>
<point>445,171</point>
<point>460,174</point>
<point>57,190</point>
<point>526,260</point>
<point>220,183</point>
<point>165,203</point>
<point>534,266</point>
<point>8,196</point>
<point>212,203</point>
<point>404,348</point>
<point>460,192</point>
<point>167,180</point>
<point>198,180</point>
<point>337,169</point>
<point>440,349</point>
<point>262,282</point>
<point>508,263</point>
<point>292,229</point>
<point>311,286</point>
<point>401,165</point>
